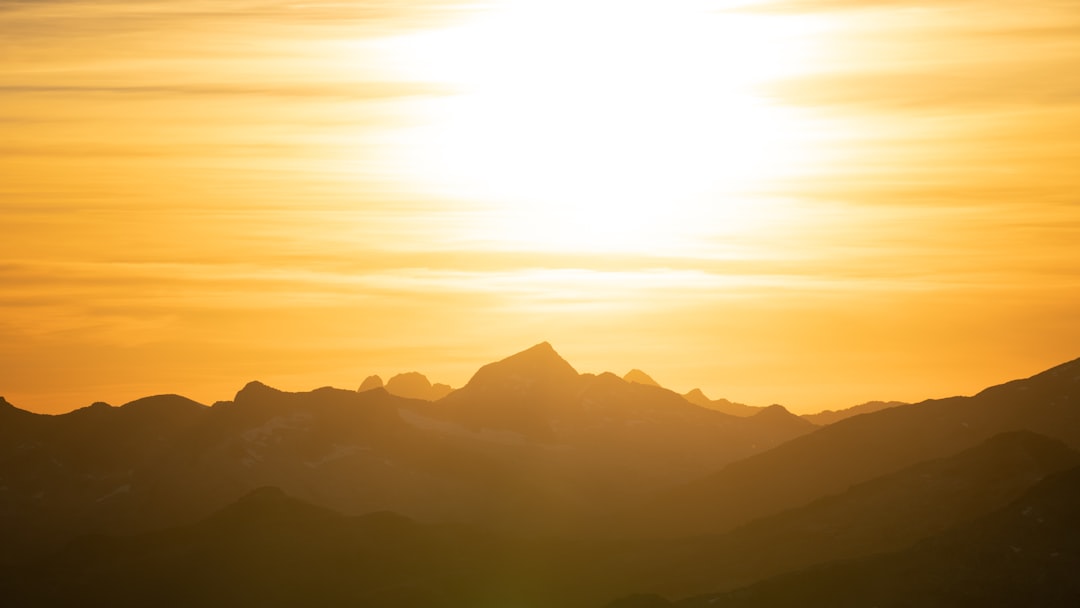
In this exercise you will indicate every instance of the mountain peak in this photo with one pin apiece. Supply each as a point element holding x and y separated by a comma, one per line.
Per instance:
<point>7,407</point>
<point>543,351</point>
<point>370,383</point>
<point>697,397</point>
<point>516,393</point>
<point>639,377</point>
<point>775,410</point>
<point>163,402</point>
<point>414,385</point>
<point>539,363</point>
<point>254,390</point>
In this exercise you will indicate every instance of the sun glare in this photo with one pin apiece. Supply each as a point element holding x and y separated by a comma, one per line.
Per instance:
<point>594,125</point>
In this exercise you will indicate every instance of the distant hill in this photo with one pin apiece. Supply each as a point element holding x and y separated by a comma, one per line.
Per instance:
<point>370,383</point>
<point>411,385</point>
<point>528,444</point>
<point>831,416</point>
<point>563,490</point>
<point>888,513</point>
<point>640,377</point>
<point>603,422</point>
<point>721,405</point>
<point>1026,554</point>
<point>270,549</point>
<point>857,449</point>
<point>414,385</point>
<point>166,460</point>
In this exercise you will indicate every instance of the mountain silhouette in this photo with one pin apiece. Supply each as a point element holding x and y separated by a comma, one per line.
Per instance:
<point>569,489</point>
<point>369,383</point>
<point>527,444</point>
<point>860,448</point>
<point>270,548</point>
<point>1026,554</point>
<point>600,430</point>
<point>640,377</point>
<point>414,385</point>
<point>830,416</point>
<point>888,513</point>
<point>537,394</point>
<point>267,549</point>
<point>721,405</point>
<point>167,460</point>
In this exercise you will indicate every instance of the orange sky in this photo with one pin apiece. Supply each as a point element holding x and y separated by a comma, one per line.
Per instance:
<point>815,203</point>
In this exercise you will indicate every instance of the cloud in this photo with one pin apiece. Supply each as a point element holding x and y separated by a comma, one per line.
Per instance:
<point>803,6</point>
<point>954,88</point>
<point>353,90</point>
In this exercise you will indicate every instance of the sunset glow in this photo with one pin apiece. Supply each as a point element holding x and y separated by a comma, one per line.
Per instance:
<point>598,126</point>
<point>813,203</point>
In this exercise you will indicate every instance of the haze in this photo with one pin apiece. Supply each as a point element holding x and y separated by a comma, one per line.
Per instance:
<point>815,203</point>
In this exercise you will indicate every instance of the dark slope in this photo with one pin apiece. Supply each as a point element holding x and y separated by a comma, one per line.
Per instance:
<point>588,443</point>
<point>164,460</point>
<point>266,550</point>
<point>1026,554</point>
<point>886,514</point>
<point>60,474</point>
<point>519,394</point>
<point>270,549</point>
<point>538,397</point>
<point>858,449</point>
<point>528,445</point>
<point>342,449</point>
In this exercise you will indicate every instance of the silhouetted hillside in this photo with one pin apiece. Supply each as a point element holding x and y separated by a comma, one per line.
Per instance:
<point>721,405</point>
<point>414,385</point>
<point>831,416</point>
<point>64,473</point>
<point>517,394</point>
<point>886,514</point>
<point>370,383</point>
<point>269,550</point>
<point>528,444</point>
<point>1026,554</point>
<point>624,436</point>
<point>272,549</point>
<point>857,449</point>
<point>640,377</point>
<point>586,467</point>
<point>158,462</point>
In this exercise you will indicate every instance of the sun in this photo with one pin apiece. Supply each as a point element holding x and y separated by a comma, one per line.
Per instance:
<point>597,125</point>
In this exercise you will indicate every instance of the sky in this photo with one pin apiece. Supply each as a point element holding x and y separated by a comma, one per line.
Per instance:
<point>808,202</point>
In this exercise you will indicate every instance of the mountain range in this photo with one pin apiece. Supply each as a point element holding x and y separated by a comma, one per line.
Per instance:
<point>532,485</point>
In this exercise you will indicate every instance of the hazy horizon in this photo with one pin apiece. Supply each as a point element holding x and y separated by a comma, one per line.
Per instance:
<point>128,392</point>
<point>814,203</point>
